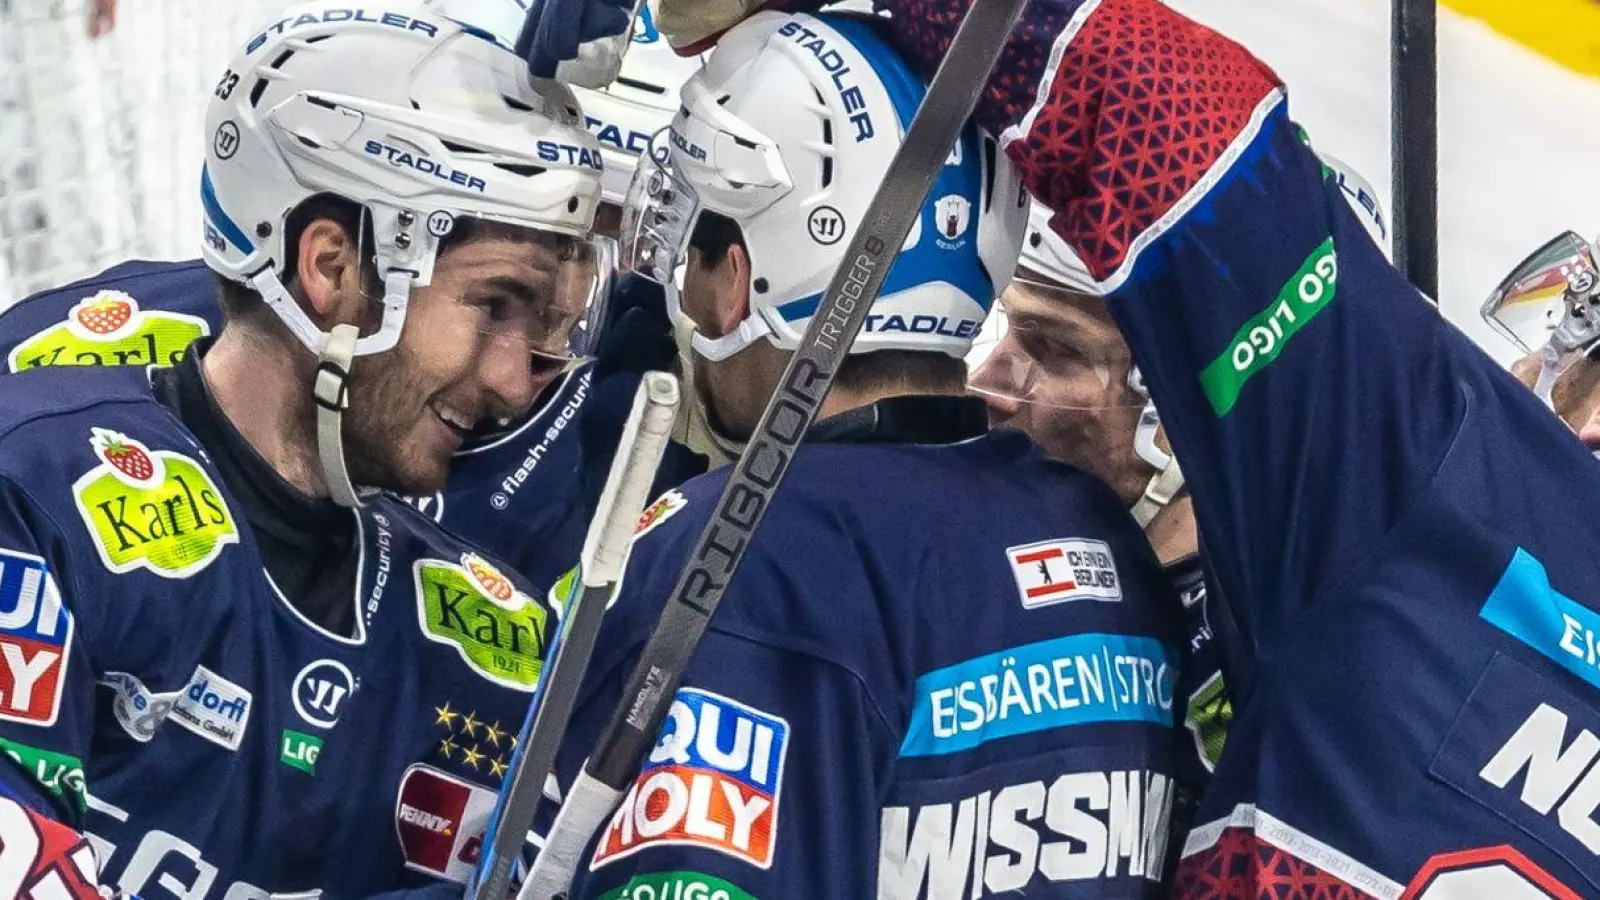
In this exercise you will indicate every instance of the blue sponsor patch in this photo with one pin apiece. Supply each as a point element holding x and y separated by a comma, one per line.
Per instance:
<point>1525,606</point>
<point>1076,680</point>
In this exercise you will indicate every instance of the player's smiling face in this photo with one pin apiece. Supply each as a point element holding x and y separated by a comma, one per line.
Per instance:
<point>466,356</point>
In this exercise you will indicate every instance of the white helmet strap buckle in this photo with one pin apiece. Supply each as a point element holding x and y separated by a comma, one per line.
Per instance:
<point>331,388</point>
<point>1167,482</point>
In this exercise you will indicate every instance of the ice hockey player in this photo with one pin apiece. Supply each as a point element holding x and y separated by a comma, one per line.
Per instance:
<point>1546,307</point>
<point>1422,720</point>
<point>231,684</point>
<point>1057,368</point>
<point>887,672</point>
<point>522,488</point>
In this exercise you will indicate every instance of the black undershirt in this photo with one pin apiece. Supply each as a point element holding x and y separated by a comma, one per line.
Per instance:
<point>307,544</point>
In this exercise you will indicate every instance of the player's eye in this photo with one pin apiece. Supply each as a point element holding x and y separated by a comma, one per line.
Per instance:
<point>497,307</point>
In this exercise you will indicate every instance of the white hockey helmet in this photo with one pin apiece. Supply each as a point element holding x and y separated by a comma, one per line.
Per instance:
<point>419,121</point>
<point>1550,304</point>
<point>622,116</point>
<point>627,113</point>
<point>1363,199</point>
<point>787,131</point>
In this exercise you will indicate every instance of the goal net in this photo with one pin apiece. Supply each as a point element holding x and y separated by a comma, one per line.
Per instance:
<point>100,136</point>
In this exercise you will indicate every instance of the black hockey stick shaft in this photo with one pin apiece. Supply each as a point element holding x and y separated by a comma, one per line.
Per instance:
<point>631,732</point>
<point>1414,135</point>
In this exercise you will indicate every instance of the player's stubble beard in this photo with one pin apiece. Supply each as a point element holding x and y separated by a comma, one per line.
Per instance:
<point>389,399</point>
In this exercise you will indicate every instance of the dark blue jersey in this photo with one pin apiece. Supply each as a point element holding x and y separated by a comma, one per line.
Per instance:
<point>903,694</point>
<point>524,493</point>
<point>160,694</point>
<point>1398,529</point>
<point>137,313</point>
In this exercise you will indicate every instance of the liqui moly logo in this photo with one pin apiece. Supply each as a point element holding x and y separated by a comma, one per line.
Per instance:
<point>35,638</point>
<point>713,780</point>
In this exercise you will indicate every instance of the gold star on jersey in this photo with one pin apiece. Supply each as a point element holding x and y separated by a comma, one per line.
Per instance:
<point>475,743</point>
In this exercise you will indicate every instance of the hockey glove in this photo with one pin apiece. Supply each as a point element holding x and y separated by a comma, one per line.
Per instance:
<point>555,28</point>
<point>639,340</point>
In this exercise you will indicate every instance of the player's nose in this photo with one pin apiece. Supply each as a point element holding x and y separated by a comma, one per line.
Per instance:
<point>505,372</point>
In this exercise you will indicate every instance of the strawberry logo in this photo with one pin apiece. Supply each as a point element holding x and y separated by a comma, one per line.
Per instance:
<point>104,314</point>
<point>659,511</point>
<point>488,579</point>
<point>129,460</point>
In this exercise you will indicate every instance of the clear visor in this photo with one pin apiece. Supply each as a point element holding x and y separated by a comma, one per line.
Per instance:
<point>1042,349</point>
<point>658,215</point>
<point>1549,300</point>
<point>551,302</point>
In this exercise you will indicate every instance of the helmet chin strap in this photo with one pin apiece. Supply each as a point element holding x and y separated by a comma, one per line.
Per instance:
<point>1549,370</point>
<point>1167,482</point>
<point>331,388</point>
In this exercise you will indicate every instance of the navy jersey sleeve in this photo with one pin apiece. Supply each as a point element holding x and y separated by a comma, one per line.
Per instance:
<point>1308,389</point>
<point>763,782</point>
<point>46,707</point>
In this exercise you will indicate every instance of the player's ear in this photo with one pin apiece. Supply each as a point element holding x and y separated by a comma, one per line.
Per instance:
<point>327,270</point>
<point>733,288</point>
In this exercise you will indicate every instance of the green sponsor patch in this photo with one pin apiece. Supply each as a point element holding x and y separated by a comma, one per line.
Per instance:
<point>58,773</point>
<point>117,334</point>
<point>504,640</point>
<point>1260,340</point>
<point>174,527</point>
<point>677,886</point>
<point>299,750</point>
<point>1208,716</point>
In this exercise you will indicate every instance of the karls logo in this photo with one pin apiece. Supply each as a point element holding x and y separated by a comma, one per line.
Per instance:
<point>441,820</point>
<point>151,509</point>
<point>109,329</point>
<point>714,780</point>
<point>1050,572</point>
<point>321,689</point>
<point>214,708</point>
<point>1081,826</point>
<point>499,632</point>
<point>35,639</point>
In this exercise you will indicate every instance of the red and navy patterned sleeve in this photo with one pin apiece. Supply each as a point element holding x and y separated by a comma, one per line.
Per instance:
<point>1308,389</point>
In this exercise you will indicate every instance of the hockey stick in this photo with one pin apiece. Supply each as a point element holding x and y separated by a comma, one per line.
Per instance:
<point>634,724</point>
<point>605,553</point>
<point>1414,136</point>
